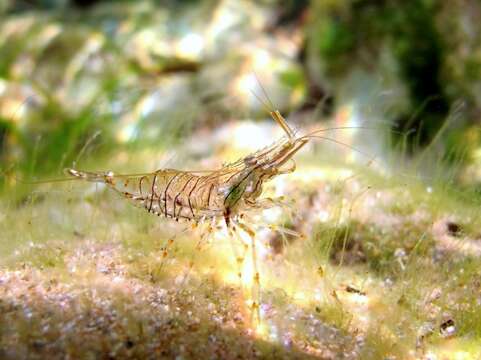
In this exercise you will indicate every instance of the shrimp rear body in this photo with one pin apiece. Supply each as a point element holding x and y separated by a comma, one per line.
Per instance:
<point>174,194</point>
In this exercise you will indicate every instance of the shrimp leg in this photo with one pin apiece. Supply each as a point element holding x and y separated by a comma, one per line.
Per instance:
<point>256,284</point>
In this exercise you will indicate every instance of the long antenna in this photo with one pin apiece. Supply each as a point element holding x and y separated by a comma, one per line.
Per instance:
<point>264,91</point>
<point>261,101</point>
<point>353,128</point>
<point>340,143</point>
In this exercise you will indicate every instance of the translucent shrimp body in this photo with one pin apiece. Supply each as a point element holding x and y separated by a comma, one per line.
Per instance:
<point>191,195</point>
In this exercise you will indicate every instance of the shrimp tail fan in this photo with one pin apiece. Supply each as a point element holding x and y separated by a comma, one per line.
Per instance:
<point>86,175</point>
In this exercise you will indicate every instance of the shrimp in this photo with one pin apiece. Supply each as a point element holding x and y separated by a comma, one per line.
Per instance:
<point>202,195</point>
<point>211,194</point>
<point>224,194</point>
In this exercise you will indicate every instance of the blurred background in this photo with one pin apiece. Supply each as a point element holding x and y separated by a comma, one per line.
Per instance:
<point>367,260</point>
<point>85,77</point>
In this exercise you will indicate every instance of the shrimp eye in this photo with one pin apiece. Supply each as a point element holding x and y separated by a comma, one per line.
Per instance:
<point>250,160</point>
